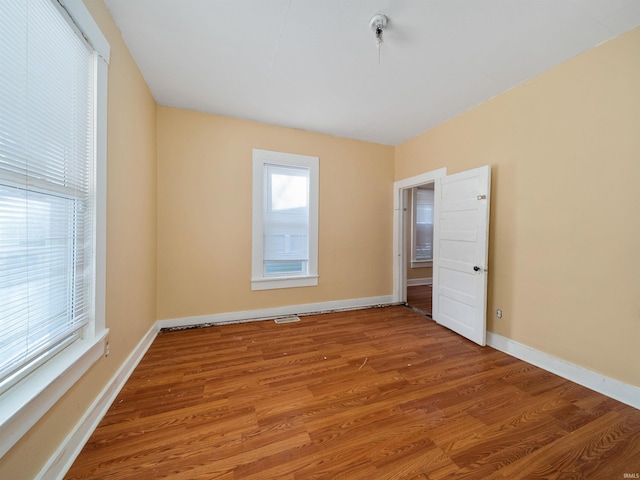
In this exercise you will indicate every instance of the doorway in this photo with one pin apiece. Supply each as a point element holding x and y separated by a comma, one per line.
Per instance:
<point>419,208</point>
<point>402,229</point>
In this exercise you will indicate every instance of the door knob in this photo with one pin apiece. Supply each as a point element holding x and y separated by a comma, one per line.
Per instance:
<point>476,268</point>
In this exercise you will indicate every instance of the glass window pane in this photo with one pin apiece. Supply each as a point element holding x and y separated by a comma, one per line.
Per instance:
<point>422,241</point>
<point>286,221</point>
<point>288,192</point>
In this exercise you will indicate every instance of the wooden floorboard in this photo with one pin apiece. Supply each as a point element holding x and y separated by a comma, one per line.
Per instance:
<point>420,298</point>
<point>381,393</point>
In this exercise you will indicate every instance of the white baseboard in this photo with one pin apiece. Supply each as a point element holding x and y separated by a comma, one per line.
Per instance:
<point>61,461</point>
<point>610,387</point>
<point>413,282</point>
<point>269,313</point>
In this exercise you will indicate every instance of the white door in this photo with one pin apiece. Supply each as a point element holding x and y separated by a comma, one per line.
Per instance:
<point>460,254</point>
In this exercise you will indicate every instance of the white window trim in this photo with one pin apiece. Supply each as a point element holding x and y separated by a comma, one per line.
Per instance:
<point>23,405</point>
<point>258,280</point>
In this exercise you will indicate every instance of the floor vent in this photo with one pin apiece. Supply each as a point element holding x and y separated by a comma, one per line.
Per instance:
<point>287,319</point>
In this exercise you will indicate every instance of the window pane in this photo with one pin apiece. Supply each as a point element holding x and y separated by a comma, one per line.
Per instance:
<point>284,268</point>
<point>286,221</point>
<point>424,242</point>
<point>37,277</point>
<point>288,192</point>
<point>423,226</point>
<point>287,189</point>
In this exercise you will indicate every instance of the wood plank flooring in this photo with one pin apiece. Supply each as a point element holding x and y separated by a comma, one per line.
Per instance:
<point>381,393</point>
<point>420,298</point>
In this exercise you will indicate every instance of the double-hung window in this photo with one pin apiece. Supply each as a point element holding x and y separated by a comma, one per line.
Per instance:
<point>285,220</point>
<point>52,121</point>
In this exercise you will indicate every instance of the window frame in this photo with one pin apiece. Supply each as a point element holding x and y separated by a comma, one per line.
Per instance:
<point>259,281</point>
<point>25,403</point>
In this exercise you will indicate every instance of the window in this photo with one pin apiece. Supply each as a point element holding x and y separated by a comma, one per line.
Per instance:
<point>422,226</point>
<point>52,152</point>
<point>285,220</point>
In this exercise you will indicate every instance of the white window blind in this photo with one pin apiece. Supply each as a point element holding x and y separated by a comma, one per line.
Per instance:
<point>46,185</point>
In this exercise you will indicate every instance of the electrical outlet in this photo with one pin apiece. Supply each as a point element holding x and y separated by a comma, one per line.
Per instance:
<point>107,348</point>
<point>499,313</point>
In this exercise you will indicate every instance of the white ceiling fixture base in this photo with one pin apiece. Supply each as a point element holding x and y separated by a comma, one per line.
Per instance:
<point>378,24</point>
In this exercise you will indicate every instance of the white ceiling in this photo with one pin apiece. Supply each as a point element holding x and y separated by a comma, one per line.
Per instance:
<point>313,64</point>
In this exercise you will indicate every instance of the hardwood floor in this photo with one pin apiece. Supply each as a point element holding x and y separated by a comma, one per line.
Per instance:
<point>372,394</point>
<point>419,297</point>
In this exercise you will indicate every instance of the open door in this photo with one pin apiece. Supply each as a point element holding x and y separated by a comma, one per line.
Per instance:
<point>460,254</point>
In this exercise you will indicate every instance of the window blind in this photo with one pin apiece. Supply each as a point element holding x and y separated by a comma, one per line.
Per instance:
<point>423,239</point>
<point>46,185</point>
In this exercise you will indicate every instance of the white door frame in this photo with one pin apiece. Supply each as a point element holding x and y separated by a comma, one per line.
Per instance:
<point>399,228</point>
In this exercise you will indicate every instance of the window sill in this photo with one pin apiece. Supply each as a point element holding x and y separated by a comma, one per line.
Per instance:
<point>25,403</point>
<point>284,282</point>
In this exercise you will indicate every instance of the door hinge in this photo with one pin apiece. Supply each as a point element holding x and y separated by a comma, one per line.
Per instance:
<point>481,197</point>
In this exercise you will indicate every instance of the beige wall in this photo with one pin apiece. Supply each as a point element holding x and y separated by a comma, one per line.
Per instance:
<point>565,229</point>
<point>131,249</point>
<point>418,272</point>
<point>204,212</point>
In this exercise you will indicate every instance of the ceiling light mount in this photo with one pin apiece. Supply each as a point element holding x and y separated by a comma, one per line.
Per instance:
<point>378,24</point>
